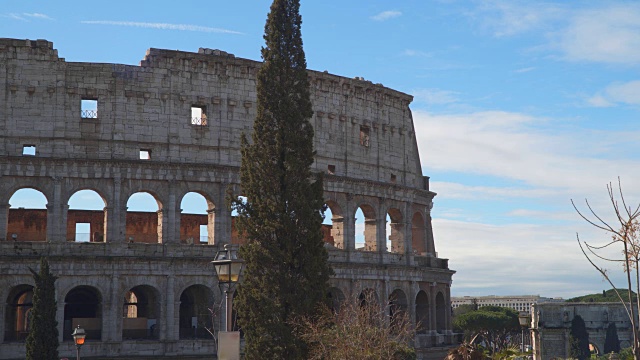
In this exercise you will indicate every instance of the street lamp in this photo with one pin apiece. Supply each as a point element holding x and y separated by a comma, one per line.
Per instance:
<point>525,320</point>
<point>228,268</point>
<point>78,338</point>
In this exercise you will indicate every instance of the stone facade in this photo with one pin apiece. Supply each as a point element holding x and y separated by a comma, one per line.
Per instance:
<point>551,326</point>
<point>142,295</point>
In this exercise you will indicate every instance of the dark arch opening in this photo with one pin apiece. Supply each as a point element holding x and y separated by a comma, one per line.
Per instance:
<point>336,299</point>
<point>195,315</point>
<point>441,309</point>
<point>141,313</point>
<point>397,306</point>
<point>422,312</point>
<point>17,320</point>
<point>83,306</point>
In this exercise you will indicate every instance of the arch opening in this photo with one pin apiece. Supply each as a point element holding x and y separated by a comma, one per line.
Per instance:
<point>83,306</point>
<point>366,228</point>
<point>333,225</point>
<point>27,219</point>
<point>86,217</point>
<point>17,319</point>
<point>144,219</point>
<point>195,316</point>
<point>395,231</point>
<point>422,312</point>
<point>397,306</point>
<point>197,219</point>
<point>336,299</point>
<point>418,243</point>
<point>141,313</point>
<point>441,309</point>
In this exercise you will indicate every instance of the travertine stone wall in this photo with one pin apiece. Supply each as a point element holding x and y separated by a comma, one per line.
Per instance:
<point>365,144</point>
<point>551,326</point>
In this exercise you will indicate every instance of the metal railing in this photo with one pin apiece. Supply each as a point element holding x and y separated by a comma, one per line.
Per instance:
<point>89,114</point>
<point>200,121</point>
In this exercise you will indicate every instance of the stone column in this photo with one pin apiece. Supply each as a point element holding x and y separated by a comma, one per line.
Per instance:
<point>57,214</point>
<point>384,300</point>
<point>431,248</point>
<point>116,215</point>
<point>171,232</point>
<point>162,227</point>
<point>108,214</point>
<point>4,224</point>
<point>411,303</point>
<point>60,319</point>
<point>2,320</point>
<point>112,322</point>
<point>407,232</point>
<point>349,224</point>
<point>433,325</point>
<point>169,330</point>
<point>220,222</point>
<point>381,228</point>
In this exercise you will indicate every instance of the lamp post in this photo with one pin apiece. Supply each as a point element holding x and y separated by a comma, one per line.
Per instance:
<point>525,320</point>
<point>228,269</point>
<point>78,338</point>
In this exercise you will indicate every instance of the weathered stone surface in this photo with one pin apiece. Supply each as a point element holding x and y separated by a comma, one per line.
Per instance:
<point>551,326</point>
<point>365,142</point>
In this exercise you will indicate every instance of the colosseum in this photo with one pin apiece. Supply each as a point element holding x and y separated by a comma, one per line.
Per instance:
<point>141,283</point>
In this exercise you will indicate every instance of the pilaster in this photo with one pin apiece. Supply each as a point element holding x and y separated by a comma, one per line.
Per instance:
<point>4,223</point>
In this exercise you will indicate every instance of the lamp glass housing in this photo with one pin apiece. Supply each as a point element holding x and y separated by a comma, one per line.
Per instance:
<point>78,335</point>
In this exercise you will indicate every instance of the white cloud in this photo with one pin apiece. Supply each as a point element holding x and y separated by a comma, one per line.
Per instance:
<point>575,162</point>
<point>435,96</point>
<point>37,16</point>
<point>608,35</point>
<point>450,190</point>
<point>517,259</point>
<point>386,15</point>
<point>524,70</point>
<point>599,101</point>
<point>26,16</point>
<point>162,26</point>
<point>508,18</point>
<point>412,52</point>
<point>626,93</point>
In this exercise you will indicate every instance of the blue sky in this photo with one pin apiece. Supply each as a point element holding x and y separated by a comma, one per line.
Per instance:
<point>519,106</point>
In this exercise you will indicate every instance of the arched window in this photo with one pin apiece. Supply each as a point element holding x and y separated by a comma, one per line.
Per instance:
<point>86,218</point>
<point>144,219</point>
<point>27,216</point>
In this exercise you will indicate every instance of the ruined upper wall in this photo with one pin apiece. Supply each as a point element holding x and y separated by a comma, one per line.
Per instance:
<point>148,107</point>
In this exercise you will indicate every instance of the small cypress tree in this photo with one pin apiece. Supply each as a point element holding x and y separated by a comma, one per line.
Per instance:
<point>287,270</point>
<point>611,341</point>
<point>42,341</point>
<point>579,339</point>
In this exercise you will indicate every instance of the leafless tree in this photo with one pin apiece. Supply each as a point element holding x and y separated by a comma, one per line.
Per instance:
<point>625,233</point>
<point>360,329</point>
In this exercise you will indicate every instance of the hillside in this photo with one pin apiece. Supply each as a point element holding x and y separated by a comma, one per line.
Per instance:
<point>605,296</point>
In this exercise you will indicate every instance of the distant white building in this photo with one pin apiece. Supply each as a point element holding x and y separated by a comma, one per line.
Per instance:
<point>518,303</point>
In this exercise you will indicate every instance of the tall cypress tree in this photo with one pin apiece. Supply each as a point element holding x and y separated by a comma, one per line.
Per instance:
<point>287,269</point>
<point>42,341</point>
<point>579,339</point>
<point>611,341</point>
